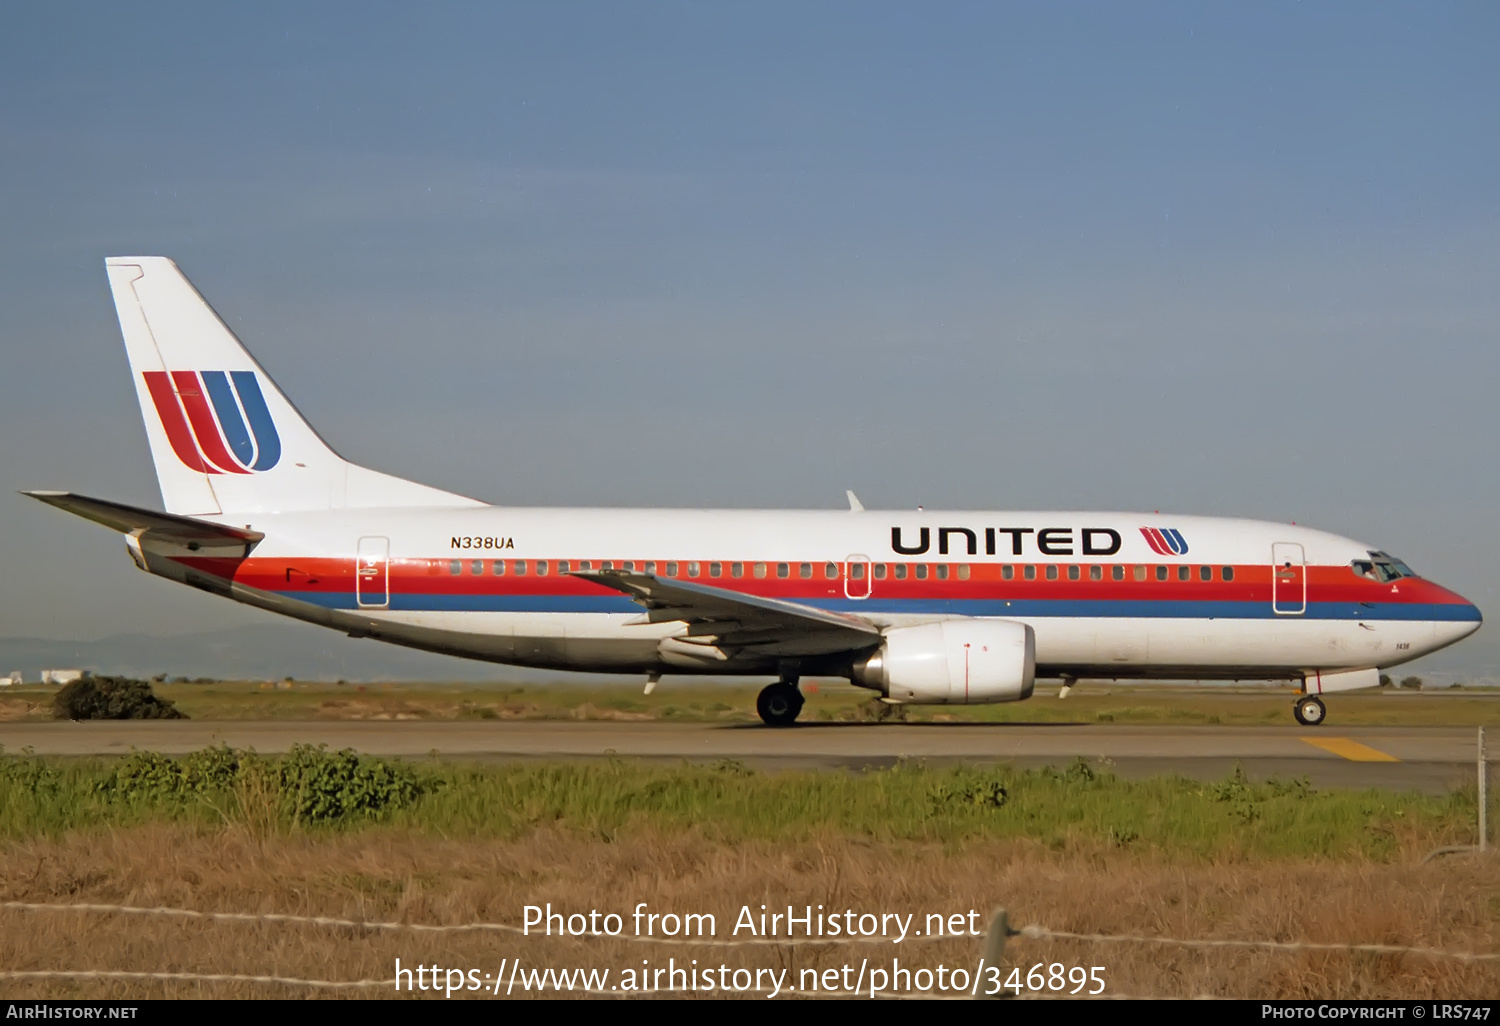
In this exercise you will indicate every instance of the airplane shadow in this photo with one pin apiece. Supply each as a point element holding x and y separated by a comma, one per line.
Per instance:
<point>846,725</point>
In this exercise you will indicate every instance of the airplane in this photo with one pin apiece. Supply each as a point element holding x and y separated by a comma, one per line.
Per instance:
<point>923,607</point>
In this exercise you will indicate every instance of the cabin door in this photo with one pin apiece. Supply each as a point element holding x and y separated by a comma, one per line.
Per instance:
<point>372,573</point>
<point>1288,579</point>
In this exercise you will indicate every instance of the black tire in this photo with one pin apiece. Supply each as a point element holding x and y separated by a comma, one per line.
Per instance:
<point>779,704</point>
<point>1310,711</point>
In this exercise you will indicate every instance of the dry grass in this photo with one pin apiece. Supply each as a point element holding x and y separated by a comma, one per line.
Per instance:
<point>383,873</point>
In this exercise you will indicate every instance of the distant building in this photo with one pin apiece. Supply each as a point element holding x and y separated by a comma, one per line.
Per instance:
<point>14,677</point>
<point>63,676</point>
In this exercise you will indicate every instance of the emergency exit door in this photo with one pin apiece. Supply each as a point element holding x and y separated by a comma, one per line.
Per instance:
<point>857,577</point>
<point>372,573</point>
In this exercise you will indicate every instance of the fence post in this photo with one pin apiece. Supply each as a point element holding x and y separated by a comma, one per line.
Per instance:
<point>994,953</point>
<point>1484,799</point>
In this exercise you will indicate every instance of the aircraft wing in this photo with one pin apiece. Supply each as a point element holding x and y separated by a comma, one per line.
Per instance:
<point>132,519</point>
<point>734,620</point>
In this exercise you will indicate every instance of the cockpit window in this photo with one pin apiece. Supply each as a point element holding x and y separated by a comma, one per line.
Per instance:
<point>1382,567</point>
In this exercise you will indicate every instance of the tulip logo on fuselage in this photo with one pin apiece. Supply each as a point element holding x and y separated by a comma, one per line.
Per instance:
<point>1165,541</point>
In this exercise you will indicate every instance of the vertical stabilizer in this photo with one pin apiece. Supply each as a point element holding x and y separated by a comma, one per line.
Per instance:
<point>223,437</point>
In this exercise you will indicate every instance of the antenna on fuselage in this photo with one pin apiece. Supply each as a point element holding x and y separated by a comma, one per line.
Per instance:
<point>855,506</point>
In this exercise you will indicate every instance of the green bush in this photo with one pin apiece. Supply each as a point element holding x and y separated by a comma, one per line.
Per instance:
<point>307,785</point>
<point>111,698</point>
<point>317,785</point>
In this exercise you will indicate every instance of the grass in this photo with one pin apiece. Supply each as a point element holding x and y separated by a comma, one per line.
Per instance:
<point>1164,704</point>
<point>356,837</point>
<point>1082,805</point>
<point>388,874</point>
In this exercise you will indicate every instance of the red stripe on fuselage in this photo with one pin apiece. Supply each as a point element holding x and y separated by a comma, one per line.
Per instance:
<point>210,441</point>
<point>433,577</point>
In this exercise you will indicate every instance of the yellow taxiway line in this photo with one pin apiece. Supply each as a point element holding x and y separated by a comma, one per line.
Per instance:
<point>1350,749</point>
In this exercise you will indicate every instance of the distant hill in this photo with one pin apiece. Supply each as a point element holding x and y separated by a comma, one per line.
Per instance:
<point>268,651</point>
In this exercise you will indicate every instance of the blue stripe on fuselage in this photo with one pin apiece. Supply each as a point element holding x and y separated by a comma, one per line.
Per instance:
<point>1081,608</point>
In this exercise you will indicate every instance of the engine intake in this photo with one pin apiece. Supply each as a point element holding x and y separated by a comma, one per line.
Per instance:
<point>954,662</point>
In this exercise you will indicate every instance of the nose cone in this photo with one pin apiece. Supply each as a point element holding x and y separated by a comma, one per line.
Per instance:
<point>1456,617</point>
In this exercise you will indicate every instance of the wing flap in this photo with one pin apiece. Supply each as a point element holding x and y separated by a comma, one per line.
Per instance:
<point>736,620</point>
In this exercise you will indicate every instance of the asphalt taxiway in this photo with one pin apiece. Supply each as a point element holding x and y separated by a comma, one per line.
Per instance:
<point>1432,759</point>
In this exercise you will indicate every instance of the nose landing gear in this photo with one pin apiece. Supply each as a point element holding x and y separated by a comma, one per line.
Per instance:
<point>1309,710</point>
<point>780,703</point>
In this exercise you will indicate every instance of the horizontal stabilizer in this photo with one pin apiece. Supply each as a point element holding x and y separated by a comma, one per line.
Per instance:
<point>130,519</point>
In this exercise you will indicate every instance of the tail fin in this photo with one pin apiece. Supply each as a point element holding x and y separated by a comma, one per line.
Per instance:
<point>223,437</point>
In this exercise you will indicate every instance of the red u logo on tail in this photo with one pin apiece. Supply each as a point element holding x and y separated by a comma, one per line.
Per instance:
<point>217,423</point>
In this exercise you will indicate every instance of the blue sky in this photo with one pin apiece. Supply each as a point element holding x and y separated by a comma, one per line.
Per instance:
<point>1223,259</point>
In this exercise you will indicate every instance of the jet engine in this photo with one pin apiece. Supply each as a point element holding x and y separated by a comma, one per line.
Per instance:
<point>953,662</point>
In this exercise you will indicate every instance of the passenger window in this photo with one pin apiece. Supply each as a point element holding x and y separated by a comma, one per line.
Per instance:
<point>456,567</point>
<point>880,571</point>
<point>831,571</point>
<point>1117,572</point>
<point>1140,572</point>
<point>1096,572</point>
<point>1073,572</point>
<point>541,568</point>
<point>476,567</point>
<point>671,569</point>
<point>804,570</point>
<point>519,567</point>
<point>1007,572</point>
<point>650,567</point>
<point>1031,571</point>
<point>584,564</point>
<point>921,571</point>
<point>783,570</point>
<point>736,569</point>
<point>857,571</point>
<point>499,568</point>
<point>562,566</point>
<point>1228,573</point>
<point>607,565</point>
<point>1184,573</point>
<point>1051,571</point>
<point>963,571</point>
<point>1205,573</point>
<point>716,569</point>
<point>760,569</point>
<point>693,568</point>
<point>900,571</point>
<point>942,571</point>
<point>1161,573</point>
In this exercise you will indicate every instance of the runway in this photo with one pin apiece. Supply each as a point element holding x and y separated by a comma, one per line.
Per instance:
<point>1432,759</point>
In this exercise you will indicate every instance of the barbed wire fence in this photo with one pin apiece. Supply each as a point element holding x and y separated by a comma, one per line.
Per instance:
<point>996,938</point>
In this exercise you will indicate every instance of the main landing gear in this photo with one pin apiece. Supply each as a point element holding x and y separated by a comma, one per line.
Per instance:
<point>1310,711</point>
<point>779,703</point>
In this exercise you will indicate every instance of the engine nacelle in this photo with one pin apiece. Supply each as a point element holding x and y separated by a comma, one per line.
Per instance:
<point>954,662</point>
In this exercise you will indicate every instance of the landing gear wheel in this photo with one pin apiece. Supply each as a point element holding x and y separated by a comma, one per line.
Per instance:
<point>779,704</point>
<point>1310,711</point>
